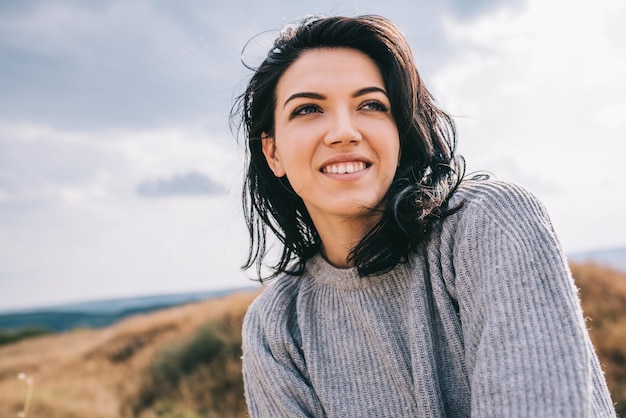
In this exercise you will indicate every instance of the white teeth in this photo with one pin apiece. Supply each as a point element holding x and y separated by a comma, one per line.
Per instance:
<point>344,168</point>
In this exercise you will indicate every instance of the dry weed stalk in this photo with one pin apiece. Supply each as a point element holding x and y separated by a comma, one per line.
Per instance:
<point>28,381</point>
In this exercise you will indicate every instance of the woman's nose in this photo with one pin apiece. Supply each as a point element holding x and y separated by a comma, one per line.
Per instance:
<point>342,129</point>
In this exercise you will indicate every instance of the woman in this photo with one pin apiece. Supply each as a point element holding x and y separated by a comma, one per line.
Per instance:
<point>404,291</point>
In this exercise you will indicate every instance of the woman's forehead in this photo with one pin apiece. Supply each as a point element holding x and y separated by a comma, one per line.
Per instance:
<point>329,69</point>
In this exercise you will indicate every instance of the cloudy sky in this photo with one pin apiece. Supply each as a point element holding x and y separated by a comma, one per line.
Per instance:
<point>119,175</point>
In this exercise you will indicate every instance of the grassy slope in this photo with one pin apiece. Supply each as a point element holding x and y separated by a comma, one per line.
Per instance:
<point>110,372</point>
<point>603,297</point>
<point>94,373</point>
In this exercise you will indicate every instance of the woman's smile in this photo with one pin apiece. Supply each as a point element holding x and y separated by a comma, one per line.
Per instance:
<point>344,168</point>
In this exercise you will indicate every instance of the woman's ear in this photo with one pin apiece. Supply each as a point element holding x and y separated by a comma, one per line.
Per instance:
<point>271,156</point>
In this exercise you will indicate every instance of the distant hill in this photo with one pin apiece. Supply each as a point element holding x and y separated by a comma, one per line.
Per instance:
<point>614,258</point>
<point>102,313</point>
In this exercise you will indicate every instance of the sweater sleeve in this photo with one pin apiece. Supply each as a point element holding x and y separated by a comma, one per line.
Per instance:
<point>273,367</point>
<point>527,348</point>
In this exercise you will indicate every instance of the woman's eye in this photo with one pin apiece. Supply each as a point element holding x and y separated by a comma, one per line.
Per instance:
<point>305,110</point>
<point>375,105</point>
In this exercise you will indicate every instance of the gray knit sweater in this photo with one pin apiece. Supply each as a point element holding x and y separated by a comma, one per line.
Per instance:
<point>484,322</point>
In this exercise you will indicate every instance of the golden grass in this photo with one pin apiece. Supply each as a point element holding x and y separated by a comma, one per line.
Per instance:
<point>603,297</point>
<point>88,373</point>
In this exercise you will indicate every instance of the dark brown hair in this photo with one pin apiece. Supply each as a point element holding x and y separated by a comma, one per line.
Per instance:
<point>428,172</point>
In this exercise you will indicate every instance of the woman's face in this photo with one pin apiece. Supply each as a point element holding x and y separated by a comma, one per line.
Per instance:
<point>335,137</point>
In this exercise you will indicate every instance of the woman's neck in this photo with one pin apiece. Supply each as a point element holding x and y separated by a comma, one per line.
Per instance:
<point>340,236</point>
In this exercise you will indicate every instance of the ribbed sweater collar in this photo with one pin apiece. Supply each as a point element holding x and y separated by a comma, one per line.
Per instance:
<point>345,278</point>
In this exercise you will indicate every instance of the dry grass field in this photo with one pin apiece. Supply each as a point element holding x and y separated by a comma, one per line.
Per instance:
<point>107,372</point>
<point>603,296</point>
<point>185,361</point>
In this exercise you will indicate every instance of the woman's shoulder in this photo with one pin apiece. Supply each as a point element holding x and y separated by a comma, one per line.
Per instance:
<point>486,191</point>
<point>270,328</point>
<point>277,298</point>
<point>496,199</point>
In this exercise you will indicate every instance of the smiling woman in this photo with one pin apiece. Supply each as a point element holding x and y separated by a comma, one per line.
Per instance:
<point>336,141</point>
<point>404,289</point>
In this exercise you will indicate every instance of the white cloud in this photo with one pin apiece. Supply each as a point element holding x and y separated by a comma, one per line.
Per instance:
<point>43,164</point>
<point>121,248</point>
<point>40,162</point>
<point>188,184</point>
<point>74,228</point>
<point>544,89</point>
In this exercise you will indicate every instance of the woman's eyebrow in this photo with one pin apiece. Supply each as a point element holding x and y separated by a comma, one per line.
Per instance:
<point>305,94</point>
<point>367,90</point>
